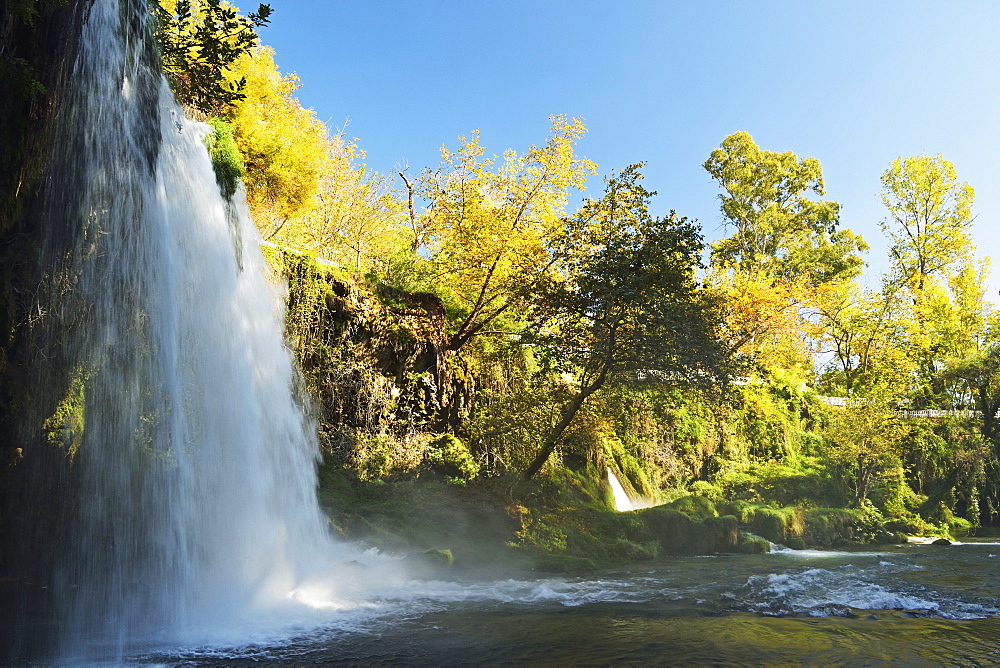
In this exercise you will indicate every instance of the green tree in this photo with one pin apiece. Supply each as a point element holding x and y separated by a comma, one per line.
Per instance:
<point>486,223</point>
<point>199,42</point>
<point>930,215</point>
<point>780,229</point>
<point>861,329</point>
<point>867,434</point>
<point>625,304</point>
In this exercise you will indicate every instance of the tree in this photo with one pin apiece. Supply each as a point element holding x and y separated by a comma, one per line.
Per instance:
<point>763,320</point>
<point>982,372</point>
<point>625,304</point>
<point>486,222</point>
<point>867,434</point>
<point>866,445</point>
<point>199,42</point>
<point>933,264</point>
<point>780,231</point>
<point>785,247</point>
<point>285,148</point>
<point>358,219</point>
<point>861,329</point>
<point>930,215</point>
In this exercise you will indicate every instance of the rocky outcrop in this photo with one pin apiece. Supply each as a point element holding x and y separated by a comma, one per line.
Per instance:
<point>374,358</point>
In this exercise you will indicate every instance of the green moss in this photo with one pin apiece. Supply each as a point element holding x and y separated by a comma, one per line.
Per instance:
<point>845,526</point>
<point>226,158</point>
<point>750,544</point>
<point>795,543</point>
<point>778,525</point>
<point>564,563</point>
<point>65,426</point>
<point>676,533</point>
<point>695,507</point>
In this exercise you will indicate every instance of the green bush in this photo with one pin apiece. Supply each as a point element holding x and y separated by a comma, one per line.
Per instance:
<point>226,158</point>
<point>449,457</point>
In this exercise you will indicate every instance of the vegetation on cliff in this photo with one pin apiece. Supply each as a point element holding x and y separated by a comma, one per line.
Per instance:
<point>478,355</point>
<point>467,329</point>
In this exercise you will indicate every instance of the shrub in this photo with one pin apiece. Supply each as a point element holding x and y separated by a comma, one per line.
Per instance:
<point>448,456</point>
<point>226,158</point>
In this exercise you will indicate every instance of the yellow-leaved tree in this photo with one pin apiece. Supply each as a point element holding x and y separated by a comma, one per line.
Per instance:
<point>486,223</point>
<point>359,219</point>
<point>285,148</point>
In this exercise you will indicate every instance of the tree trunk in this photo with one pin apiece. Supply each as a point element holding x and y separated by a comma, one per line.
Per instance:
<point>569,412</point>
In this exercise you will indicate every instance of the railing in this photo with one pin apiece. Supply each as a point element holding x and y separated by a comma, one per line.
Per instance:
<point>937,414</point>
<point>903,413</point>
<point>317,260</point>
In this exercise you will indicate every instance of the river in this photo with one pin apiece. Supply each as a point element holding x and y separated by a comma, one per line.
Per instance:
<point>909,605</point>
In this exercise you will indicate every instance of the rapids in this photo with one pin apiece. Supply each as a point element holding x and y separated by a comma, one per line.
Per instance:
<point>909,605</point>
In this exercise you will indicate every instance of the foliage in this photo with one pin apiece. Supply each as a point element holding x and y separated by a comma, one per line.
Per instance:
<point>981,371</point>
<point>863,330</point>
<point>486,223</point>
<point>448,456</point>
<point>226,158</point>
<point>866,440</point>
<point>65,426</point>
<point>784,254</point>
<point>930,215</point>
<point>780,232</point>
<point>285,148</point>
<point>357,220</point>
<point>199,42</point>
<point>763,319</point>
<point>625,305</point>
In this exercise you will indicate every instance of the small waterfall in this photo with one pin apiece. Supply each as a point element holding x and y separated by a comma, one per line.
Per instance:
<point>195,476</point>
<point>622,501</point>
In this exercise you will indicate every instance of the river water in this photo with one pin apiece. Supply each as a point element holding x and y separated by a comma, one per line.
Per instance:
<point>907,605</point>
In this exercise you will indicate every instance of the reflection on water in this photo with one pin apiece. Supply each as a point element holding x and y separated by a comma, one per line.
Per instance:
<point>911,605</point>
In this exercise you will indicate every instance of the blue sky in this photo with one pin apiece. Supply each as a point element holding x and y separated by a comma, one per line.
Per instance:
<point>854,84</point>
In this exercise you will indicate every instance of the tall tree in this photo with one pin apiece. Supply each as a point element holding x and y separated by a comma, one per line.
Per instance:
<point>933,264</point>
<point>625,303</point>
<point>930,215</point>
<point>785,247</point>
<point>781,229</point>
<point>486,222</point>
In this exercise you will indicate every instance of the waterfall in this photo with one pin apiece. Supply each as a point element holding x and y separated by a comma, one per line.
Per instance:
<point>195,472</point>
<point>622,501</point>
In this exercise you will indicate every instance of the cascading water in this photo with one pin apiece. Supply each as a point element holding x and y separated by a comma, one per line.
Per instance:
<point>622,502</point>
<point>195,475</point>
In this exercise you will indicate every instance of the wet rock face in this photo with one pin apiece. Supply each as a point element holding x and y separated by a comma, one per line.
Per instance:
<point>39,41</point>
<point>375,360</point>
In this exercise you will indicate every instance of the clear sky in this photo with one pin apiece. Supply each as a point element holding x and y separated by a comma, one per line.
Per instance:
<point>852,83</point>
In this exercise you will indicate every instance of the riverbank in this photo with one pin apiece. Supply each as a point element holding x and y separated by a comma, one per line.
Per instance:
<point>566,523</point>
